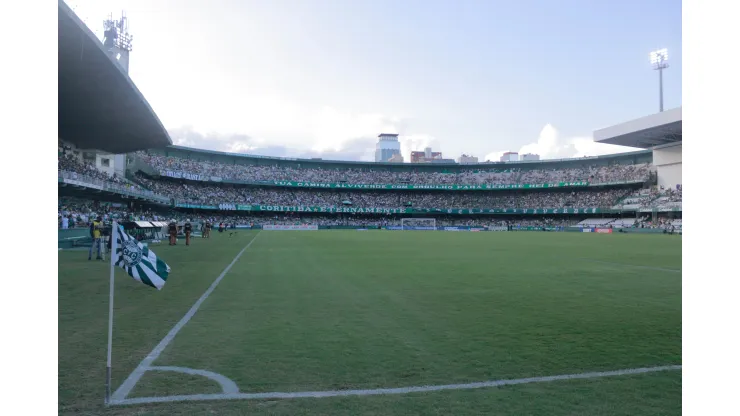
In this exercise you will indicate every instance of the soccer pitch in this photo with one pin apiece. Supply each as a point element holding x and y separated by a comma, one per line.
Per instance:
<point>331,311</point>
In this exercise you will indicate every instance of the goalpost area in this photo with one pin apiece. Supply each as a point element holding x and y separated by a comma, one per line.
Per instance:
<point>419,224</point>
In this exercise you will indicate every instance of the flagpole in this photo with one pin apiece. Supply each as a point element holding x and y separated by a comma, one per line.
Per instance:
<point>114,246</point>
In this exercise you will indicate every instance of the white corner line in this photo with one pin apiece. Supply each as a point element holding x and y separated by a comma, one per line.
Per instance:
<point>227,385</point>
<point>388,391</point>
<point>123,391</point>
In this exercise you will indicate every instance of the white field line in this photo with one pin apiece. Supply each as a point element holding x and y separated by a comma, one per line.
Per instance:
<point>227,385</point>
<point>399,390</point>
<point>145,364</point>
<point>659,269</point>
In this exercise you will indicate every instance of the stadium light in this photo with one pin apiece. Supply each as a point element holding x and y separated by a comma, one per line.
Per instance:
<point>659,60</point>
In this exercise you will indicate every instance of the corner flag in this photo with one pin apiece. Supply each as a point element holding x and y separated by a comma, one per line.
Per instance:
<point>141,264</point>
<point>138,261</point>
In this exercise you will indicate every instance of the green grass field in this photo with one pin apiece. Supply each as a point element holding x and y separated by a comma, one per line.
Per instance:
<point>335,310</point>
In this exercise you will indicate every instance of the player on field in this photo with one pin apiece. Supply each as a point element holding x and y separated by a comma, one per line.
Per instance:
<point>172,228</point>
<point>188,228</point>
<point>207,229</point>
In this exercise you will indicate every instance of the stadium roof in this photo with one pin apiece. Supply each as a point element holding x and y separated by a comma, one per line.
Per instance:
<point>99,106</point>
<point>646,132</point>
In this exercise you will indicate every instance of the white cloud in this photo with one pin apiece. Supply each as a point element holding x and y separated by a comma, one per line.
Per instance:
<point>239,147</point>
<point>549,146</point>
<point>493,156</point>
<point>331,129</point>
<point>356,149</point>
<point>411,142</point>
<point>327,132</point>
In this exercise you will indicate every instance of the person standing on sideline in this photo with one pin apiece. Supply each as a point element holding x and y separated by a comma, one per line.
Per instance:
<point>65,222</point>
<point>173,232</point>
<point>95,227</point>
<point>188,228</point>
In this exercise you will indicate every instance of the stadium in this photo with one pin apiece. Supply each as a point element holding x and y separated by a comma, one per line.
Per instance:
<point>560,287</point>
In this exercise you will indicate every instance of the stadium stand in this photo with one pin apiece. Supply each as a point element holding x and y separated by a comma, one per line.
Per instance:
<point>178,183</point>
<point>635,200</point>
<point>197,193</point>
<point>255,173</point>
<point>72,172</point>
<point>80,212</point>
<point>669,198</point>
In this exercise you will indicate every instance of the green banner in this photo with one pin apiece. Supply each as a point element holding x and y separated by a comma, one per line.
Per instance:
<point>614,183</point>
<point>485,186</point>
<point>354,210</point>
<point>508,211</point>
<point>532,228</point>
<point>661,209</point>
<point>195,206</point>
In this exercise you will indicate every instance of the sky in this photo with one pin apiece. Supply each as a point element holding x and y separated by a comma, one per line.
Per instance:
<point>322,78</point>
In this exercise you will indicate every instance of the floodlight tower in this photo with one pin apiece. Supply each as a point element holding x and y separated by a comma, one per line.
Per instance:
<point>659,60</point>
<point>117,40</point>
<point>117,43</point>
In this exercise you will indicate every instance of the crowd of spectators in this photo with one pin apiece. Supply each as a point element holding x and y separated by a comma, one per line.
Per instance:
<point>69,163</point>
<point>75,168</point>
<point>391,221</point>
<point>204,194</point>
<point>662,222</point>
<point>75,213</point>
<point>261,173</point>
<point>673,195</point>
<point>382,221</point>
<point>79,213</point>
<point>659,196</point>
<point>603,174</point>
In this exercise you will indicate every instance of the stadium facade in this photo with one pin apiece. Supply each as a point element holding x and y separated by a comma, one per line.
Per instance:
<point>661,133</point>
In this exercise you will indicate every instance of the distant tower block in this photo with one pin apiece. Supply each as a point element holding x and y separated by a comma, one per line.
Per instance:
<point>387,146</point>
<point>117,40</point>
